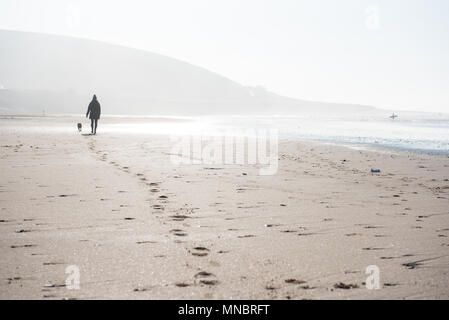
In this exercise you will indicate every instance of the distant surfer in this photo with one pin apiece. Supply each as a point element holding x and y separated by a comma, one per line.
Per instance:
<point>393,116</point>
<point>94,110</point>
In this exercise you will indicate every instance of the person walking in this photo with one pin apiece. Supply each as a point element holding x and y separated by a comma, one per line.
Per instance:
<point>94,112</point>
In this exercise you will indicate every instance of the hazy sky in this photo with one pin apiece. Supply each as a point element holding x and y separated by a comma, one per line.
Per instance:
<point>387,53</point>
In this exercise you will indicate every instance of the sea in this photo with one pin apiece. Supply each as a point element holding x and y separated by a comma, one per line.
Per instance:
<point>419,132</point>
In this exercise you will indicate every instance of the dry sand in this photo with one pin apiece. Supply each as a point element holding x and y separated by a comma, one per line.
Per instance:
<point>139,227</point>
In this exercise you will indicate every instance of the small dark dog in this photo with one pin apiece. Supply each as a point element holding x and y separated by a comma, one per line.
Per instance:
<point>80,127</point>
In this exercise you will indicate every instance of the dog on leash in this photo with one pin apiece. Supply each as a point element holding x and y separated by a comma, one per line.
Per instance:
<point>80,127</point>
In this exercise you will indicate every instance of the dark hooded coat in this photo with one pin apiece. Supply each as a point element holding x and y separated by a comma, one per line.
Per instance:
<point>94,109</point>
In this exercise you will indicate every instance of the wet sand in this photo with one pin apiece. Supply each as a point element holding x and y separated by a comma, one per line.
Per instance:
<point>139,227</point>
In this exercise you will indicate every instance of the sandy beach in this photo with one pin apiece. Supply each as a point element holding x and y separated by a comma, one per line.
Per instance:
<point>139,227</point>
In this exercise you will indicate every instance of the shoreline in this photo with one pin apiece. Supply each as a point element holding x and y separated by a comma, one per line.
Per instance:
<point>375,147</point>
<point>150,119</point>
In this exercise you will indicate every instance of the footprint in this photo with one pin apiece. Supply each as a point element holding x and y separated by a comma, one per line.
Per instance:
<point>390,284</point>
<point>23,246</point>
<point>204,274</point>
<point>200,251</point>
<point>52,263</point>
<point>412,265</point>
<point>178,232</point>
<point>206,278</point>
<point>209,282</point>
<point>199,254</point>
<point>182,284</point>
<point>271,288</point>
<point>345,286</point>
<point>295,281</point>
<point>10,280</point>
<point>179,217</point>
<point>306,287</point>
<point>53,285</point>
<point>143,242</point>
<point>371,227</point>
<point>22,231</point>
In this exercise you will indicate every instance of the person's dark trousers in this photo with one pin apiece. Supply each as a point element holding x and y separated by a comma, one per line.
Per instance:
<point>93,125</point>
